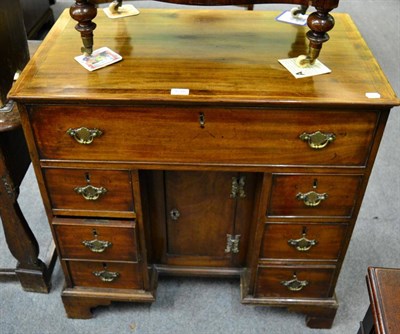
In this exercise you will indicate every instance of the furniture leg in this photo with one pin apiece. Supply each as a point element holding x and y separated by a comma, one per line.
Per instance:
<point>84,12</point>
<point>31,271</point>
<point>320,22</point>
<point>80,307</point>
<point>318,316</point>
<point>321,318</point>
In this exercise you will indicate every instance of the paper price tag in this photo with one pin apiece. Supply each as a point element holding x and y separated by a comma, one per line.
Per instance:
<point>303,72</point>
<point>373,95</point>
<point>287,17</point>
<point>98,59</point>
<point>123,11</point>
<point>180,91</point>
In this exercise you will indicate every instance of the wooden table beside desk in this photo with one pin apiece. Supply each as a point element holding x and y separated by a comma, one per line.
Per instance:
<point>383,313</point>
<point>253,173</point>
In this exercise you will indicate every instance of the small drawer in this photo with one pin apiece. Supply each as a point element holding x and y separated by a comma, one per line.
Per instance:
<point>96,239</point>
<point>106,274</point>
<point>294,282</point>
<point>303,241</point>
<point>313,195</point>
<point>99,193</point>
<point>251,136</point>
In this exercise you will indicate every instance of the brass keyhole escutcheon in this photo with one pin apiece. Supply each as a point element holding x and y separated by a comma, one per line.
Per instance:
<point>174,214</point>
<point>202,120</point>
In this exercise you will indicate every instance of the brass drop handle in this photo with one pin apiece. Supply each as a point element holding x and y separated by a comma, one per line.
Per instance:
<point>90,193</point>
<point>311,198</point>
<point>303,244</point>
<point>317,140</point>
<point>84,135</point>
<point>97,246</point>
<point>295,284</point>
<point>174,214</point>
<point>106,276</point>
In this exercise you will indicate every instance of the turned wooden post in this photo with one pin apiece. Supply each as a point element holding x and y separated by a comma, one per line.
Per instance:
<point>320,22</point>
<point>84,12</point>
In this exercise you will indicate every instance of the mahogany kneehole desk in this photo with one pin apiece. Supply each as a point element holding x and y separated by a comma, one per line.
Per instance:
<point>254,173</point>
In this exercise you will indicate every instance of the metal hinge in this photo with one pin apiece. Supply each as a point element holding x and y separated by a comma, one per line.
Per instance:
<point>238,184</point>
<point>232,243</point>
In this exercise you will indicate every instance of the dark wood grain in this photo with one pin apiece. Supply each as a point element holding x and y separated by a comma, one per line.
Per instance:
<point>243,117</point>
<point>121,234</point>
<point>61,185</point>
<point>341,191</point>
<point>269,282</point>
<point>32,273</point>
<point>329,238</point>
<point>194,49</point>
<point>383,314</point>
<point>130,275</point>
<point>267,136</point>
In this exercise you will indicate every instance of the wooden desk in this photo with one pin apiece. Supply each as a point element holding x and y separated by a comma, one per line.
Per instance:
<point>253,173</point>
<point>383,313</point>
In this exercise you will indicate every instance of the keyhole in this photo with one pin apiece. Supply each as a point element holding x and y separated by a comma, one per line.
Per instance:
<point>315,184</point>
<point>94,232</point>
<point>202,120</point>
<point>175,214</point>
<point>87,177</point>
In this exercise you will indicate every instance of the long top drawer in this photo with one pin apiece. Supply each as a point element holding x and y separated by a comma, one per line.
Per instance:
<point>204,135</point>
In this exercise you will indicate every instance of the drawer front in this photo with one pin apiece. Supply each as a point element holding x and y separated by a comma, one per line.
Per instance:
<point>303,241</point>
<point>314,195</point>
<point>96,240</point>
<point>294,282</point>
<point>204,135</point>
<point>106,274</point>
<point>89,192</point>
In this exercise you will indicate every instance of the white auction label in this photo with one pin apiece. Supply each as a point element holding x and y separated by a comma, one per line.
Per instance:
<point>179,91</point>
<point>373,95</point>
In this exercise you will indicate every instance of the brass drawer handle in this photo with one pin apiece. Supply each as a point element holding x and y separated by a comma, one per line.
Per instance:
<point>97,246</point>
<point>303,244</point>
<point>90,193</point>
<point>317,140</point>
<point>312,198</point>
<point>84,135</point>
<point>294,284</point>
<point>106,276</point>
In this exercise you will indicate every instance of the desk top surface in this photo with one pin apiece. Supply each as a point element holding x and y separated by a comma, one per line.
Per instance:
<point>221,56</point>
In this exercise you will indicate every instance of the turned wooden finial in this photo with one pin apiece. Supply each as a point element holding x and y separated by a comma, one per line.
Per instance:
<point>320,22</point>
<point>84,12</point>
